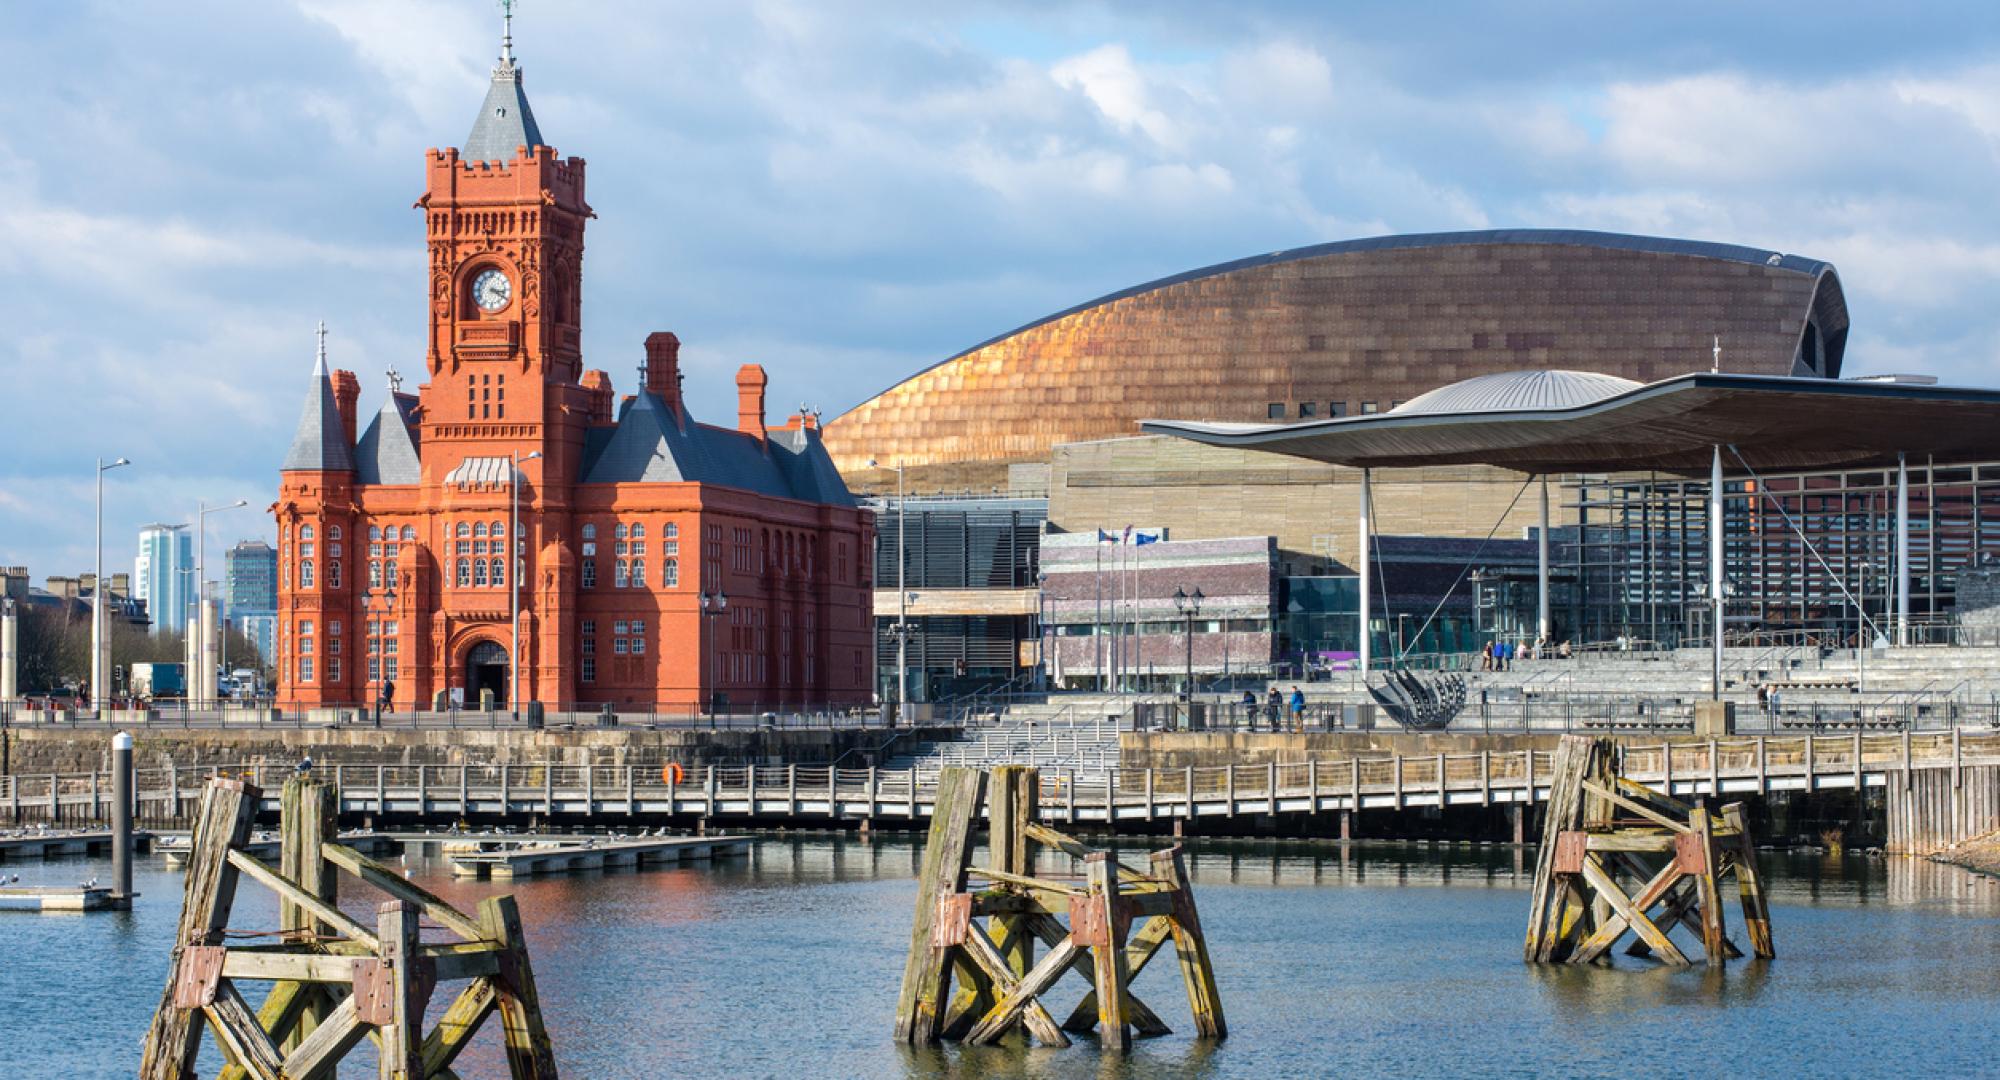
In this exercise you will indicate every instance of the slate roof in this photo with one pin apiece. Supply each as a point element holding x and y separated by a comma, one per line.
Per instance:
<point>387,451</point>
<point>321,442</point>
<point>647,446</point>
<point>505,121</point>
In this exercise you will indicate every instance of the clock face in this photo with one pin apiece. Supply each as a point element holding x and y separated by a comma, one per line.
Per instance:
<point>491,290</point>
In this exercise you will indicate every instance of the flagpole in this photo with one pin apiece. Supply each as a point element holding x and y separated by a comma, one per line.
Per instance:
<point>1097,629</point>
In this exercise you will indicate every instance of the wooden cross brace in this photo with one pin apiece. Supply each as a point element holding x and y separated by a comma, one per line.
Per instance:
<point>1000,983</point>
<point>336,981</point>
<point>1581,909</point>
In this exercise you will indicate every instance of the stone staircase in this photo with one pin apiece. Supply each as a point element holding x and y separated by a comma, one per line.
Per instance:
<point>1074,731</point>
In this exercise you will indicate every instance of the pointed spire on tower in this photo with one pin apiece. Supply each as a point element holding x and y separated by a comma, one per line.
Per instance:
<point>320,445</point>
<point>505,122</point>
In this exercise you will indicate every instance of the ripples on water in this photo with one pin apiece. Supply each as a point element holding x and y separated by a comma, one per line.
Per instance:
<point>1372,960</point>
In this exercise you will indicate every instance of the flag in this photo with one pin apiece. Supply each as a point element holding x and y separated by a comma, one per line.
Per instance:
<point>1105,538</point>
<point>1146,538</point>
<point>1127,538</point>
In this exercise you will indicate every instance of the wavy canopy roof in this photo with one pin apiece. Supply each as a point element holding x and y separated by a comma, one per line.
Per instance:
<point>1668,426</point>
<point>1520,390</point>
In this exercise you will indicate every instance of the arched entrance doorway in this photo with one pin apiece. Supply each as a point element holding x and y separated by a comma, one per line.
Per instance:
<point>486,669</point>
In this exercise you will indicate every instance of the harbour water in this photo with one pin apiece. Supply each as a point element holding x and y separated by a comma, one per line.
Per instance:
<point>1365,960</point>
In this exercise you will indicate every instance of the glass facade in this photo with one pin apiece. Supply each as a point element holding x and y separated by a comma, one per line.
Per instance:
<point>1640,550</point>
<point>163,575</point>
<point>956,543</point>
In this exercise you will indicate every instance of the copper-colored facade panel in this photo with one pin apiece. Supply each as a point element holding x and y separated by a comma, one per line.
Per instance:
<point>1342,329</point>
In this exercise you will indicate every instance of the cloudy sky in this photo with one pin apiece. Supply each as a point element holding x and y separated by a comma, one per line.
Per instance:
<point>848,192</point>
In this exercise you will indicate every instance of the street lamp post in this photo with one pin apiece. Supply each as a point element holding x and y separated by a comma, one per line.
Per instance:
<point>100,648</point>
<point>712,606</point>
<point>902,599</point>
<point>515,566</point>
<point>378,660</point>
<point>1189,605</point>
<point>201,682</point>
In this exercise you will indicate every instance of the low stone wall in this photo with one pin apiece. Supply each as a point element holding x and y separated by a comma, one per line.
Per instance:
<point>51,749</point>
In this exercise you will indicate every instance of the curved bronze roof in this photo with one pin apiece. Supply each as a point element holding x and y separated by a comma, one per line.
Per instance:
<point>1353,327</point>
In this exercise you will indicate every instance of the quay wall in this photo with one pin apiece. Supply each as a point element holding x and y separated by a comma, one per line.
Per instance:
<point>42,750</point>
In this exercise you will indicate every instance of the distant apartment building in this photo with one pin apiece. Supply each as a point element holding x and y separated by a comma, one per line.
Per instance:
<point>163,575</point>
<point>250,592</point>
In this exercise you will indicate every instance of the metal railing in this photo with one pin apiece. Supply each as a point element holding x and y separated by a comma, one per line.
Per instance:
<point>579,793</point>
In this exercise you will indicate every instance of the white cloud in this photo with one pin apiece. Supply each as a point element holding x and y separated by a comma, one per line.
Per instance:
<point>849,193</point>
<point>1109,78</point>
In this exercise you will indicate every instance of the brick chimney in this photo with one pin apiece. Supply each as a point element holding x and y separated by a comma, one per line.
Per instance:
<point>346,391</point>
<point>750,383</point>
<point>663,370</point>
<point>597,388</point>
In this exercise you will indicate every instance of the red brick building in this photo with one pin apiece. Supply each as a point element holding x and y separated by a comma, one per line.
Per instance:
<point>660,561</point>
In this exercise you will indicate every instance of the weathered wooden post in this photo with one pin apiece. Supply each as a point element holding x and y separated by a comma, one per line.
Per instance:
<point>207,892</point>
<point>1000,980</point>
<point>1593,883</point>
<point>337,982</point>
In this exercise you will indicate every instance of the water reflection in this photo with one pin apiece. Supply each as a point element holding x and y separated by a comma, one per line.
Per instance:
<point>1365,958</point>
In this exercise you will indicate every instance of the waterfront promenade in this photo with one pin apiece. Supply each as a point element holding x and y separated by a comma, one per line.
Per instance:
<point>1957,770</point>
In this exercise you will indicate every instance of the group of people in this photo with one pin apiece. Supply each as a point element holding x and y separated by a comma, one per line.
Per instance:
<point>1275,705</point>
<point>1499,655</point>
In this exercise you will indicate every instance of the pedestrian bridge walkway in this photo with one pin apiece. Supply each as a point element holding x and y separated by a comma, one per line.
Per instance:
<point>1943,785</point>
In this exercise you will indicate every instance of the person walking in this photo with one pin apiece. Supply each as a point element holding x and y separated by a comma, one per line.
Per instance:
<point>1298,709</point>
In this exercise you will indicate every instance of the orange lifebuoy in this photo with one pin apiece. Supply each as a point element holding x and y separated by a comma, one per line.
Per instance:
<point>672,773</point>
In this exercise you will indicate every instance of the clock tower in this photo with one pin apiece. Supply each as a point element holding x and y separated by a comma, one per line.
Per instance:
<point>514,533</point>
<point>503,221</point>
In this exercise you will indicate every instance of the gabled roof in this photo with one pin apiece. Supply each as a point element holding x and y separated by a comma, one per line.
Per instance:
<point>387,451</point>
<point>505,122</point>
<point>802,455</point>
<point>647,446</point>
<point>321,442</point>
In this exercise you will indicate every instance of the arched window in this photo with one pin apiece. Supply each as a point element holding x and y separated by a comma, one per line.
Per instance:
<point>305,573</point>
<point>409,533</point>
<point>589,531</point>
<point>672,530</point>
<point>464,530</point>
<point>390,576</point>
<point>375,573</point>
<point>670,573</point>
<point>479,572</point>
<point>305,532</point>
<point>638,530</point>
<point>333,574</point>
<point>638,573</point>
<point>618,531</point>
<point>464,574</point>
<point>499,572</point>
<point>620,574</point>
<point>497,529</point>
<point>333,532</point>
<point>479,529</point>
<point>375,532</point>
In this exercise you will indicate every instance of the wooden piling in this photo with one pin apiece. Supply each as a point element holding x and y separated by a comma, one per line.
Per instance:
<point>336,981</point>
<point>1000,981</point>
<point>1599,830</point>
